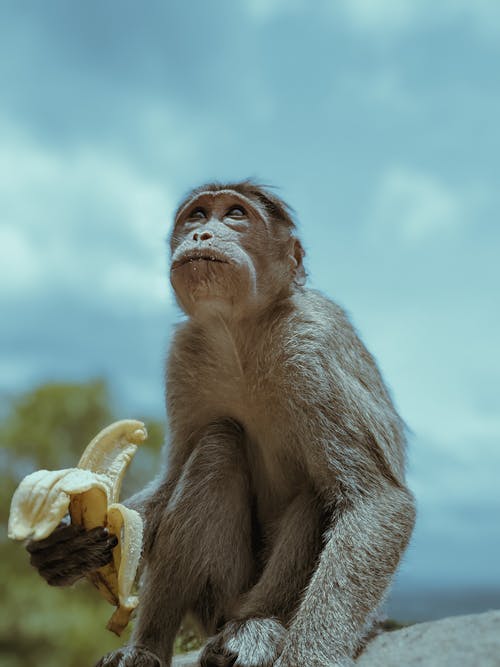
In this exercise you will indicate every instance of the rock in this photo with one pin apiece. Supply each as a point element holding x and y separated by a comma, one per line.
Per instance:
<point>186,660</point>
<point>459,641</point>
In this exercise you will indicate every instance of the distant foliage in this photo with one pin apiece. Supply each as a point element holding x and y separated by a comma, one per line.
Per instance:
<point>48,428</point>
<point>51,424</point>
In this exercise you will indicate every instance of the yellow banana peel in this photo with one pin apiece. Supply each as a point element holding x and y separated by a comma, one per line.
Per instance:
<point>90,493</point>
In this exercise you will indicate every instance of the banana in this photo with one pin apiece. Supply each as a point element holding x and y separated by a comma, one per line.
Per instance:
<point>90,493</point>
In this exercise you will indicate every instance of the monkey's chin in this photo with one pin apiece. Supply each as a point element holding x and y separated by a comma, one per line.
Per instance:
<point>203,295</point>
<point>205,306</point>
<point>204,300</point>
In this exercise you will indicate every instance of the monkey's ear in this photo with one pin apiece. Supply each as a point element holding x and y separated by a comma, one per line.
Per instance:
<point>296,256</point>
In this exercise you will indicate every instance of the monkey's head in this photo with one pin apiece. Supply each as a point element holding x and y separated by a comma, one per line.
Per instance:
<point>233,250</point>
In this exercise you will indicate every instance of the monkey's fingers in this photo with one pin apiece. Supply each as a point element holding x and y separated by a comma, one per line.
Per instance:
<point>65,574</point>
<point>69,540</point>
<point>66,571</point>
<point>210,659</point>
<point>130,657</point>
<point>64,533</point>
<point>68,552</point>
<point>215,654</point>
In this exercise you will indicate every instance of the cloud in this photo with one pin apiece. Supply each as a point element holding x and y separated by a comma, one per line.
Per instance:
<point>380,15</point>
<point>434,343</point>
<point>63,337</point>
<point>416,206</point>
<point>84,221</point>
<point>385,17</point>
<point>266,10</point>
<point>83,250</point>
<point>379,87</point>
<point>442,474</point>
<point>457,508</point>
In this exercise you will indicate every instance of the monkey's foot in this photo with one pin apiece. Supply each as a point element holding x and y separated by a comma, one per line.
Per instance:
<point>255,642</point>
<point>130,656</point>
<point>311,661</point>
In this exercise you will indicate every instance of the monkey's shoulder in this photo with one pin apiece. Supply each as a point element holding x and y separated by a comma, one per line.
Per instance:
<point>316,346</point>
<point>310,306</point>
<point>306,329</point>
<point>317,324</point>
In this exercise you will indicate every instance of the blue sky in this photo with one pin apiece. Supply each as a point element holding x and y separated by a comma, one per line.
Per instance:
<point>378,122</point>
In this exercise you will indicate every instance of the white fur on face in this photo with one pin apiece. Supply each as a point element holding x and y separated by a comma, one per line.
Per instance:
<point>219,273</point>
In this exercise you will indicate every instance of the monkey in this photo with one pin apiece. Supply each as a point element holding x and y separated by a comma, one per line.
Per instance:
<point>283,510</point>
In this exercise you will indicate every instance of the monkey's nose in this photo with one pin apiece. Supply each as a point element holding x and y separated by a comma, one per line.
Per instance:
<point>204,236</point>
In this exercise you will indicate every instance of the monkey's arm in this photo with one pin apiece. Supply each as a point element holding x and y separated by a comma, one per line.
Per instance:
<point>364,543</point>
<point>296,545</point>
<point>355,458</point>
<point>353,446</point>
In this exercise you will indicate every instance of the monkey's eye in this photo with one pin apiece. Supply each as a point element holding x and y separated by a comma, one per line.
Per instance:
<point>236,212</point>
<point>197,213</point>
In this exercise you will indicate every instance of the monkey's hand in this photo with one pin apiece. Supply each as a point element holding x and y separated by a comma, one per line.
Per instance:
<point>70,553</point>
<point>254,642</point>
<point>130,656</point>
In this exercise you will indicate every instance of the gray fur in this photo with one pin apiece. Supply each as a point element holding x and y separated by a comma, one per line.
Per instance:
<point>283,512</point>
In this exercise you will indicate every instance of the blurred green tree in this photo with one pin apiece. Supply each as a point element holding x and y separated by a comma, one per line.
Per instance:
<point>50,424</point>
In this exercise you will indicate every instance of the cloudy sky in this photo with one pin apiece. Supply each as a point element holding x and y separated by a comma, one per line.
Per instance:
<point>378,122</point>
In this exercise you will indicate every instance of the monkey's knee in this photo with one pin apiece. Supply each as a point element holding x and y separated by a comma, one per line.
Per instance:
<point>221,447</point>
<point>210,507</point>
<point>224,428</point>
<point>216,468</point>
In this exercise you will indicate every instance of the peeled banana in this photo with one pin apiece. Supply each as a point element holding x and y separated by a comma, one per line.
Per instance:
<point>90,493</point>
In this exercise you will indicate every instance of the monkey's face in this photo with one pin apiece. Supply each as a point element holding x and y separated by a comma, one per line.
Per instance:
<point>226,255</point>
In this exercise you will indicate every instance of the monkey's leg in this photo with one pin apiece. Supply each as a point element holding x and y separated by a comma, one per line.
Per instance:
<point>364,544</point>
<point>257,634</point>
<point>201,557</point>
<point>295,547</point>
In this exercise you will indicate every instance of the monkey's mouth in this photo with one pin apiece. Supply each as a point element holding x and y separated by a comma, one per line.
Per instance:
<point>199,257</point>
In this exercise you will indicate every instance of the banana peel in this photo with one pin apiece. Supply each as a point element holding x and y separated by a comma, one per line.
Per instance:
<point>90,493</point>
